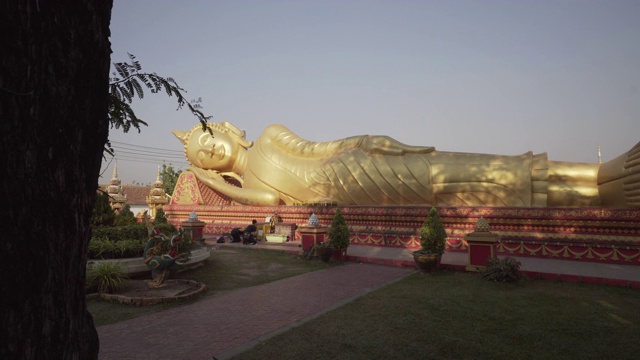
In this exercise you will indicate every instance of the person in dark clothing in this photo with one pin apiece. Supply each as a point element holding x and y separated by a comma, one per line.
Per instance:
<point>236,233</point>
<point>249,234</point>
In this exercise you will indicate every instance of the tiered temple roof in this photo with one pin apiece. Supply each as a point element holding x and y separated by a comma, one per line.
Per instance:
<point>157,196</point>
<point>117,198</point>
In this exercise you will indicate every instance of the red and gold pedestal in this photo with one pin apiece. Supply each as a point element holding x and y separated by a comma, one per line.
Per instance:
<point>194,228</point>
<point>482,248</point>
<point>311,235</point>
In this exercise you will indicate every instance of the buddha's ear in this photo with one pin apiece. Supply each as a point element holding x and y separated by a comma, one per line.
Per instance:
<point>182,135</point>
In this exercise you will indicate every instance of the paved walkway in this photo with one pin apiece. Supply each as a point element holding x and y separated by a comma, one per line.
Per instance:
<point>226,325</point>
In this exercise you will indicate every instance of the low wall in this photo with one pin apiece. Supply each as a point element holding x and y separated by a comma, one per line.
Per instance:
<point>580,234</point>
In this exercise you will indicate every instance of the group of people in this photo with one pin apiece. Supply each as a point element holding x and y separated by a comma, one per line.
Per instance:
<point>246,235</point>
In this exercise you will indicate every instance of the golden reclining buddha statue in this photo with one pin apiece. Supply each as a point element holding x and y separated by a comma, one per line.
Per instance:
<point>283,169</point>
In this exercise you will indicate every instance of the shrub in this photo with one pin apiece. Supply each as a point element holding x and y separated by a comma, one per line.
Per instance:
<point>432,234</point>
<point>503,270</point>
<point>339,231</point>
<point>106,277</point>
<point>103,214</point>
<point>124,241</point>
<point>130,248</point>
<point>136,231</point>
<point>159,218</point>
<point>101,248</point>
<point>126,217</point>
<point>131,232</point>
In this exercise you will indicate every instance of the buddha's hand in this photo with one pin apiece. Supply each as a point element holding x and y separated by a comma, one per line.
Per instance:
<point>388,146</point>
<point>206,175</point>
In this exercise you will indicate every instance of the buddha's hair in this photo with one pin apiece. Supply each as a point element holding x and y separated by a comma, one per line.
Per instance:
<point>226,128</point>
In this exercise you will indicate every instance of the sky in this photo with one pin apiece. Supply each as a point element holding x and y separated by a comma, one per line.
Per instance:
<point>495,77</point>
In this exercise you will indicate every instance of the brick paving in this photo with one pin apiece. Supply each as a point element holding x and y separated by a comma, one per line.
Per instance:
<point>222,326</point>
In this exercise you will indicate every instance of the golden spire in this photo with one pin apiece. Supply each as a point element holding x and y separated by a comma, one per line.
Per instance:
<point>115,170</point>
<point>117,198</point>
<point>599,155</point>
<point>157,197</point>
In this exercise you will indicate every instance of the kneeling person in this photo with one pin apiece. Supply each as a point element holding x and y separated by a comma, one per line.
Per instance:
<point>249,234</point>
<point>236,233</point>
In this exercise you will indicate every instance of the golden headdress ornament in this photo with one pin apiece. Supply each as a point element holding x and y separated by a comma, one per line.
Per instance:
<point>223,127</point>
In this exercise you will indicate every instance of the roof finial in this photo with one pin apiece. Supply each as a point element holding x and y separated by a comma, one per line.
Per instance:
<point>599,155</point>
<point>158,177</point>
<point>115,170</point>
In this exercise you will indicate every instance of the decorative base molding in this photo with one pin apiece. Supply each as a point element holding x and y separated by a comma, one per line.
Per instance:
<point>580,234</point>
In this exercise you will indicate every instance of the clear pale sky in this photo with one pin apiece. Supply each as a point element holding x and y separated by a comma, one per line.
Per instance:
<point>497,77</point>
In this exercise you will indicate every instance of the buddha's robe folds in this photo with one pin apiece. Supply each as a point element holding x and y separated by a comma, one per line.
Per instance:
<point>351,172</point>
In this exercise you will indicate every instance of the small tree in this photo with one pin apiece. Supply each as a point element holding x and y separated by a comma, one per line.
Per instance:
<point>103,214</point>
<point>339,231</point>
<point>432,234</point>
<point>126,217</point>
<point>169,177</point>
<point>159,218</point>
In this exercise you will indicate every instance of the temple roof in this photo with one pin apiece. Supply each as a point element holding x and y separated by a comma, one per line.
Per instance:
<point>136,195</point>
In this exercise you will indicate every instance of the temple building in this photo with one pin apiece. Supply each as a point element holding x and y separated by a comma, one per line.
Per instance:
<point>139,198</point>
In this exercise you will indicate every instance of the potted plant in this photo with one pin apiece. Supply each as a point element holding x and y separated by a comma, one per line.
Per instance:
<point>339,235</point>
<point>325,251</point>
<point>432,242</point>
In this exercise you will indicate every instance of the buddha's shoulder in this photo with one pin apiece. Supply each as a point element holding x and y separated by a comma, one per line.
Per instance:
<point>275,129</point>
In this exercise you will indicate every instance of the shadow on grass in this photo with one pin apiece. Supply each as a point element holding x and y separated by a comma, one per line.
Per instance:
<point>460,316</point>
<point>227,269</point>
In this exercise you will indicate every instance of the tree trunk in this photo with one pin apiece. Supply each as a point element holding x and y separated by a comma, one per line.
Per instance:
<point>54,73</point>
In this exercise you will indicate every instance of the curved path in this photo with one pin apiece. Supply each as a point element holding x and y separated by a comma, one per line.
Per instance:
<point>223,326</point>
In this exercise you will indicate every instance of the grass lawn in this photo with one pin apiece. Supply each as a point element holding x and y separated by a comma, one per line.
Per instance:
<point>460,316</point>
<point>228,268</point>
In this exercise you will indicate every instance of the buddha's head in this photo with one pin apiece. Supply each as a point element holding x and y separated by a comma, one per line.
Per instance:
<point>213,152</point>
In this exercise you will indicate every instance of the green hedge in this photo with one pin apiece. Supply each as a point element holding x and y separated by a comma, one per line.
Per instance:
<point>122,241</point>
<point>130,232</point>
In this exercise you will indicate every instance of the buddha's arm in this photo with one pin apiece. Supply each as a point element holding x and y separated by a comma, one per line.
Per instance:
<point>388,146</point>
<point>292,143</point>
<point>241,195</point>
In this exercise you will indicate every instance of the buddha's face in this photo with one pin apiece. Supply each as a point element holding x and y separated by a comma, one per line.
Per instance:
<point>217,152</point>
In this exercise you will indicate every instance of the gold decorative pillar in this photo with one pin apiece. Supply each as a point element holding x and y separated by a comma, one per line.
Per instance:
<point>482,245</point>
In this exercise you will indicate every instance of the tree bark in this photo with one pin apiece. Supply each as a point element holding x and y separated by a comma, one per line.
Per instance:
<point>53,112</point>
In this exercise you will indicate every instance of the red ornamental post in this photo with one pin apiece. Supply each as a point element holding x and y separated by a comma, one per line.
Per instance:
<point>482,246</point>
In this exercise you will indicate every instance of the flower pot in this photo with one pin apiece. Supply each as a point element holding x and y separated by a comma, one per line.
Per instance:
<point>325,253</point>
<point>340,254</point>
<point>427,262</point>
